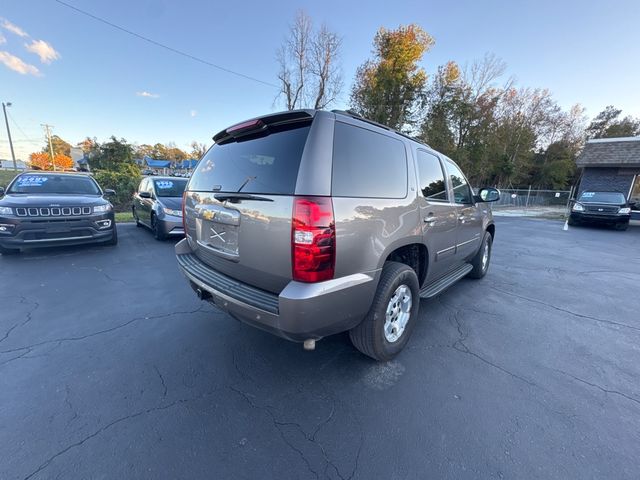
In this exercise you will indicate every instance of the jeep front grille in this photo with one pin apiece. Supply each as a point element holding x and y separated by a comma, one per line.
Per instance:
<point>53,211</point>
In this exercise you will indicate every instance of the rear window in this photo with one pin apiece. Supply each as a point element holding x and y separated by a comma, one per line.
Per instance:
<point>602,197</point>
<point>54,184</point>
<point>265,163</point>
<point>367,164</point>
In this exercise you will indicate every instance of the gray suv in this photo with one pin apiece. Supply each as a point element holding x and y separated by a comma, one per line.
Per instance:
<point>310,223</point>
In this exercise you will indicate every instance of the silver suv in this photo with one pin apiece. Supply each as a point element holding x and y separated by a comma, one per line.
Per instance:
<point>309,223</point>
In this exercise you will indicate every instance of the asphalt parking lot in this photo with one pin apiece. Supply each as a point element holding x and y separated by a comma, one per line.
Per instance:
<point>111,368</point>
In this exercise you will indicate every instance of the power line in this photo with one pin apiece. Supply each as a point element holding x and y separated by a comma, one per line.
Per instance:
<point>13,120</point>
<point>166,47</point>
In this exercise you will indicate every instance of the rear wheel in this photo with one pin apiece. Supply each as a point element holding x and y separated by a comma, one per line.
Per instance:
<point>482,259</point>
<point>9,251</point>
<point>387,327</point>
<point>157,229</point>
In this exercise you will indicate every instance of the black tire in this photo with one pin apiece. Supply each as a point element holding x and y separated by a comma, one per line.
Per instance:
<point>9,251</point>
<point>155,228</point>
<point>135,216</point>
<point>114,239</point>
<point>369,336</point>
<point>480,268</point>
<point>621,226</point>
<point>572,222</point>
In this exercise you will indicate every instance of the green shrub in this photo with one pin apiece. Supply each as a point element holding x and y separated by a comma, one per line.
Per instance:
<point>124,182</point>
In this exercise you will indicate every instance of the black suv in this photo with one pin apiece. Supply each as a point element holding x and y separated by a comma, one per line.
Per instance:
<point>610,208</point>
<point>44,209</point>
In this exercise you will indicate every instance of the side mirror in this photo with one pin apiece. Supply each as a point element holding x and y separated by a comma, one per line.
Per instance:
<point>144,194</point>
<point>489,194</point>
<point>108,192</point>
<point>633,204</point>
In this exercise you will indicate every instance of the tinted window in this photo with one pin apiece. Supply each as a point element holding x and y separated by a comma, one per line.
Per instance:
<point>431,177</point>
<point>461,189</point>
<point>367,164</point>
<point>602,197</point>
<point>169,187</point>
<point>56,184</point>
<point>264,163</point>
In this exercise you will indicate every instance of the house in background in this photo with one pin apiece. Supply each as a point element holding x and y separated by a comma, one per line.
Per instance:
<point>186,166</point>
<point>158,167</point>
<point>612,165</point>
<point>8,165</point>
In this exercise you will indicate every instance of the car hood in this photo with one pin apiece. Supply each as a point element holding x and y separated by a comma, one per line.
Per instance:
<point>22,200</point>
<point>174,203</point>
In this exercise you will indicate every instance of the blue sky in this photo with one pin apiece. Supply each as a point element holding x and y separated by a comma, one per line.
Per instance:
<point>584,53</point>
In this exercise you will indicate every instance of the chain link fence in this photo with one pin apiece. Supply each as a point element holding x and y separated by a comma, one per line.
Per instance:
<point>533,202</point>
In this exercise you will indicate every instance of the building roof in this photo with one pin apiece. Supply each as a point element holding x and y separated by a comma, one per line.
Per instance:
<point>610,152</point>
<point>191,163</point>
<point>157,163</point>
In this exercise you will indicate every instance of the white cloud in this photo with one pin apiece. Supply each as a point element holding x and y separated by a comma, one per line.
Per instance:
<point>17,65</point>
<point>193,113</point>
<point>7,25</point>
<point>144,93</point>
<point>44,50</point>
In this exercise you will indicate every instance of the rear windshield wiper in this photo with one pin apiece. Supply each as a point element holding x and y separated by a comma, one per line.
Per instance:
<point>237,196</point>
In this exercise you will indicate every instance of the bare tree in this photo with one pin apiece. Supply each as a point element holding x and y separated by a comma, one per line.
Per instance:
<point>309,73</point>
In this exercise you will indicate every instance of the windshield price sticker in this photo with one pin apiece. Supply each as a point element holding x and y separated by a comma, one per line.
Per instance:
<point>588,194</point>
<point>164,184</point>
<point>31,181</point>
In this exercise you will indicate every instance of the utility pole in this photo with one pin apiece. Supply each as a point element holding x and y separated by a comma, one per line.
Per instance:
<point>13,155</point>
<point>48,128</point>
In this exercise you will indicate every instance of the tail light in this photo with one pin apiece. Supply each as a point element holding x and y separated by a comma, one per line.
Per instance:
<point>184,218</point>
<point>313,239</point>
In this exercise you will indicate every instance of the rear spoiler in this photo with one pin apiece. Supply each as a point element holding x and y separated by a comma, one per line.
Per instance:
<point>259,124</point>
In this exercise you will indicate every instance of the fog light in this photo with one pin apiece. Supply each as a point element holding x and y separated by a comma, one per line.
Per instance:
<point>6,227</point>
<point>103,224</point>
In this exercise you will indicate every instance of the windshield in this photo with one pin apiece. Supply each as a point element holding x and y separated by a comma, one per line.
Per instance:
<point>38,184</point>
<point>602,197</point>
<point>169,188</point>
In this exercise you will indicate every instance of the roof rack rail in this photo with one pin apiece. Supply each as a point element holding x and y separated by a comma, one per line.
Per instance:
<point>352,114</point>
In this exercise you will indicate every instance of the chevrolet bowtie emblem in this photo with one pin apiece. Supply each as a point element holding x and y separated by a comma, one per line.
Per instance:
<point>208,214</point>
<point>215,234</point>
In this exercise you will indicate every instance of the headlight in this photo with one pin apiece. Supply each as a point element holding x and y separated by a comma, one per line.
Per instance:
<point>175,213</point>
<point>625,210</point>
<point>6,211</point>
<point>102,208</point>
<point>577,207</point>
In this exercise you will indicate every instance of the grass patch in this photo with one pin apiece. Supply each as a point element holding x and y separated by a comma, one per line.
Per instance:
<point>124,217</point>
<point>6,176</point>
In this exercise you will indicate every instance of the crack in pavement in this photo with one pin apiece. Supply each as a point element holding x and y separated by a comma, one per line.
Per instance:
<point>108,330</point>
<point>460,346</point>
<point>139,413</point>
<point>311,438</point>
<point>24,301</point>
<point>100,270</point>
<point>605,390</point>
<point>560,309</point>
<point>164,385</point>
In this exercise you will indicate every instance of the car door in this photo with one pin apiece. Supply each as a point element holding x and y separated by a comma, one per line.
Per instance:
<point>137,201</point>
<point>469,215</point>
<point>437,213</point>
<point>146,204</point>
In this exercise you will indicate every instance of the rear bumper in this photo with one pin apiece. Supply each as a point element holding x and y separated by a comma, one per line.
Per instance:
<point>611,218</point>
<point>301,311</point>
<point>49,233</point>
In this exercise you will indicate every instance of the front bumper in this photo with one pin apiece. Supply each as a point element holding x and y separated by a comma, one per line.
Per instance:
<point>47,232</point>
<point>604,218</point>
<point>301,311</point>
<point>170,225</point>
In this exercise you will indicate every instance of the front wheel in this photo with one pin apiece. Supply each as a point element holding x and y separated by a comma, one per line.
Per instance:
<point>156,228</point>
<point>114,238</point>
<point>482,259</point>
<point>9,251</point>
<point>621,226</point>
<point>387,327</point>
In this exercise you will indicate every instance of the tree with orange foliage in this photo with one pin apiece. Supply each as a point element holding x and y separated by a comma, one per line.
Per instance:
<point>42,161</point>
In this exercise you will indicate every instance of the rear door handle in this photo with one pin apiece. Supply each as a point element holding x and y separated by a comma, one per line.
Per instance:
<point>430,219</point>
